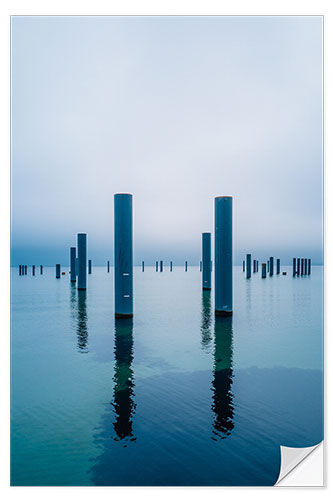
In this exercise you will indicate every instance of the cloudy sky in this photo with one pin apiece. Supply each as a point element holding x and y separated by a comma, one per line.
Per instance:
<point>176,111</point>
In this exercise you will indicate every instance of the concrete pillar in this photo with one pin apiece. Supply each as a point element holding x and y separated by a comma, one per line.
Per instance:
<point>33,270</point>
<point>72,261</point>
<point>89,266</point>
<point>161,266</point>
<point>206,259</point>
<point>108,266</point>
<point>157,266</point>
<point>302,267</point>
<point>82,256</point>
<point>294,266</point>
<point>298,266</point>
<point>223,256</point>
<point>41,269</point>
<point>278,266</point>
<point>186,266</point>
<point>263,270</point>
<point>171,266</point>
<point>309,266</point>
<point>243,266</point>
<point>248,265</point>
<point>271,266</point>
<point>143,266</point>
<point>305,266</point>
<point>58,270</point>
<point>123,255</point>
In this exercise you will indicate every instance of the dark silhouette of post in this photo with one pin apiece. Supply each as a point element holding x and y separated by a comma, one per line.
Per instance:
<point>294,267</point>
<point>268,266</point>
<point>223,256</point>
<point>309,266</point>
<point>271,266</point>
<point>33,270</point>
<point>58,270</point>
<point>25,270</point>
<point>302,267</point>
<point>123,255</point>
<point>157,266</point>
<point>248,265</point>
<point>305,266</point>
<point>108,266</point>
<point>82,258</point>
<point>170,265</point>
<point>278,266</point>
<point>186,266</point>
<point>143,266</point>
<point>161,266</point>
<point>41,269</point>
<point>206,259</point>
<point>89,266</point>
<point>298,266</point>
<point>263,270</point>
<point>243,266</point>
<point>72,260</point>
<point>20,270</point>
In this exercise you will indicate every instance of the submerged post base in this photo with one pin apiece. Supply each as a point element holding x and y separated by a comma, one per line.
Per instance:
<point>122,315</point>
<point>223,313</point>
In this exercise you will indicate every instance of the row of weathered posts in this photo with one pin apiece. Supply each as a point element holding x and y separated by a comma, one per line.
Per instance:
<point>301,267</point>
<point>123,259</point>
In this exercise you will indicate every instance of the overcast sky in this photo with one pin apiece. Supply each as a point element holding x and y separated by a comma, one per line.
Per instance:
<point>176,111</point>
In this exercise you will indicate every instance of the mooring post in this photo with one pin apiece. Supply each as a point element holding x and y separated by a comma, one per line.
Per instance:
<point>41,269</point>
<point>72,261</point>
<point>223,256</point>
<point>305,266</point>
<point>248,265</point>
<point>89,266</point>
<point>20,270</point>
<point>254,266</point>
<point>278,266</point>
<point>309,266</point>
<point>294,266</point>
<point>263,270</point>
<point>82,257</point>
<point>143,266</point>
<point>157,266</point>
<point>161,266</point>
<point>33,270</point>
<point>25,270</point>
<point>123,255</point>
<point>58,270</point>
<point>206,259</point>
<point>170,265</point>
<point>243,266</point>
<point>267,268</point>
<point>298,266</point>
<point>108,266</point>
<point>271,266</point>
<point>302,267</point>
<point>186,266</point>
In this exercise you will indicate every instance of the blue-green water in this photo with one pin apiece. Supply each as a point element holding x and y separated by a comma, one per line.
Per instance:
<point>174,397</point>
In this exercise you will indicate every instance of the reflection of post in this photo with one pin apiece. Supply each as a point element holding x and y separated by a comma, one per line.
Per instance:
<point>206,319</point>
<point>82,329</point>
<point>223,374</point>
<point>123,393</point>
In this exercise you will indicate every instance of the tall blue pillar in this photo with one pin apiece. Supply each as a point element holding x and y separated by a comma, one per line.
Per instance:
<point>170,265</point>
<point>123,255</point>
<point>248,265</point>
<point>89,266</point>
<point>72,260</point>
<point>143,266</point>
<point>58,270</point>
<point>278,266</point>
<point>263,270</point>
<point>82,257</point>
<point>223,256</point>
<point>161,266</point>
<point>271,266</point>
<point>206,259</point>
<point>309,266</point>
<point>185,265</point>
<point>294,266</point>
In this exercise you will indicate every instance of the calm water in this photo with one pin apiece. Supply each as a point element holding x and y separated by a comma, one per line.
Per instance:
<point>174,397</point>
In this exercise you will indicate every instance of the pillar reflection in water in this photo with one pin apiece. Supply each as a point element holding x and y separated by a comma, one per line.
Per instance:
<point>222,394</point>
<point>123,394</point>
<point>206,319</point>
<point>81,328</point>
